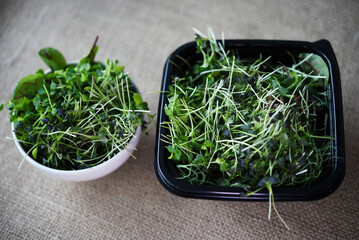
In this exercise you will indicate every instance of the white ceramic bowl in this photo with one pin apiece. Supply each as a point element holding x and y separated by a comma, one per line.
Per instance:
<point>87,174</point>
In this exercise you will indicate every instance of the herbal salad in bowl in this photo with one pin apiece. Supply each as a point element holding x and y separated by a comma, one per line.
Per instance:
<point>77,115</point>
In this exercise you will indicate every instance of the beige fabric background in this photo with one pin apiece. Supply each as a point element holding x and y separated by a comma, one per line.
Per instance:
<point>130,203</point>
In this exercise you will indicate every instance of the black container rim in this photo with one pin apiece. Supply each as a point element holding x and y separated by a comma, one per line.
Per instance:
<point>337,169</point>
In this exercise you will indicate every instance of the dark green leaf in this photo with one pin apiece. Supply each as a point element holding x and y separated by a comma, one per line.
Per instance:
<point>53,58</point>
<point>28,83</point>
<point>143,106</point>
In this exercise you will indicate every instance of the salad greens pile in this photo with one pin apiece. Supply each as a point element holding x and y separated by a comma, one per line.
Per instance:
<point>248,123</point>
<point>77,115</point>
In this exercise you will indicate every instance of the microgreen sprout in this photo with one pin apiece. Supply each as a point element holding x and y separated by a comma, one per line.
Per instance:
<point>247,123</point>
<point>78,115</point>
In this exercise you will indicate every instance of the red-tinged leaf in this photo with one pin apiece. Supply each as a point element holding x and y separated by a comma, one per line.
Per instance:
<point>27,84</point>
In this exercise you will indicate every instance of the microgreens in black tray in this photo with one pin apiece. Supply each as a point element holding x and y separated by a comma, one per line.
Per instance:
<point>249,123</point>
<point>77,115</point>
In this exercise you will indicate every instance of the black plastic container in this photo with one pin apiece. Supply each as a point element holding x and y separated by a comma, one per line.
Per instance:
<point>333,173</point>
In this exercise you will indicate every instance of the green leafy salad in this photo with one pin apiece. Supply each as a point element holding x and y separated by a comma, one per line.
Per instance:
<point>77,115</point>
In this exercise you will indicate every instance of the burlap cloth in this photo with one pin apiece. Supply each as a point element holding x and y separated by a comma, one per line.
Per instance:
<point>130,203</point>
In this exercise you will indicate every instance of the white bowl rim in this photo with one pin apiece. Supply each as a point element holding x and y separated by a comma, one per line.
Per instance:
<point>131,146</point>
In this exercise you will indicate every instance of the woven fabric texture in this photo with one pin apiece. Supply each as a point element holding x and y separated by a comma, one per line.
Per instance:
<point>131,203</point>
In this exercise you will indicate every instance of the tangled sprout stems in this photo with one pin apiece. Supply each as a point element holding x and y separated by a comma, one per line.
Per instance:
<point>247,123</point>
<point>86,125</point>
